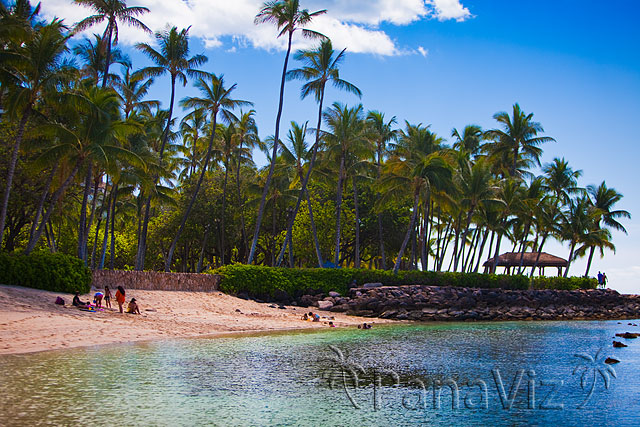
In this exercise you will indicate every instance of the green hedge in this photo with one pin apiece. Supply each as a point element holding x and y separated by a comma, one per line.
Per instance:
<point>565,283</point>
<point>268,282</point>
<point>51,272</point>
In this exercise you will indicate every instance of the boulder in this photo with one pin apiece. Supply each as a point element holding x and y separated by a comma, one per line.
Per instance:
<point>334,294</point>
<point>325,305</point>
<point>618,344</point>
<point>372,285</point>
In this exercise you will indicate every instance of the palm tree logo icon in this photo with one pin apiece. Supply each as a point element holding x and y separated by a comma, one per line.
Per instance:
<point>347,374</point>
<point>590,369</point>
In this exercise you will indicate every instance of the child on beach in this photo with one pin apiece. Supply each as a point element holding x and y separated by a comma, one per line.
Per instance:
<point>120,297</point>
<point>97,299</point>
<point>107,297</point>
<point>133,307</point>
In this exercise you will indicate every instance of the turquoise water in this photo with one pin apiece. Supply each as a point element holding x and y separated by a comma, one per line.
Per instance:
<point>391,375</point>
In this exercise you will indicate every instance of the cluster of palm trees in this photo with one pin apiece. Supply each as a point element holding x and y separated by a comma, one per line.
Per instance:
<point>112,174</point>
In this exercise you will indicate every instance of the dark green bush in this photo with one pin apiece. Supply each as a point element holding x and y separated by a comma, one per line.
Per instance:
<point>266,282</point>
<point>51,272</point>
<point>565,283</point>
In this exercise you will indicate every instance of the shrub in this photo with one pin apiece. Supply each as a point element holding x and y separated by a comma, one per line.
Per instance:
<point>51,272</point>
<point>565,283</point>
<point>268,282</point>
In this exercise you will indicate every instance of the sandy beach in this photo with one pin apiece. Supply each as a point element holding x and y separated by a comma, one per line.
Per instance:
<point>31,322</point>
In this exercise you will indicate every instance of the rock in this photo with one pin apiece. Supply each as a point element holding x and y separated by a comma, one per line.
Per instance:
<point>306,300</point>
<point>272,306</point>
<point>281,296</point>
<point>611,361</point>
<point>430,310</point>
<point>238,310</point>
<point>334,294</point>
<point>341,308</point>
<point>282,307</point>
<point>388,314</point>
<point>618,344</point>
<point>325,305</point>
<point>628,335</point>
<point>243,295</point>
<point>372,285</point>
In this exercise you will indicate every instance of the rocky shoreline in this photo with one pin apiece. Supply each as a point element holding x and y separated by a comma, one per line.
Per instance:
<point>435,303</point>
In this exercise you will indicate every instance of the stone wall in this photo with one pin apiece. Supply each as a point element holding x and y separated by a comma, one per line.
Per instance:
<point>156,281</point>
<point>427,303</point>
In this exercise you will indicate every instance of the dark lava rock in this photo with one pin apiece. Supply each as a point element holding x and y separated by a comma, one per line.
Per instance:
<point>618,344</point>
<point>628,335</point>
<point>611,361</point>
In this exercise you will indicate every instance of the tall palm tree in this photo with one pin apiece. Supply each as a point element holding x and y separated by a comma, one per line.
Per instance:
<point>576,225</point>
<point>320,67</point>
<point>90,51</point>
<point>216,98</point>
<point>603,199</point>
<point>415,168</point>
<point>518,139</point>
<point>132,89</point>
<point>35,67</point>
<point>287,16</point>
<point>247,139</point>
<point>173,59</point>
<point>112,11</point>
<point>345,138</point>
<point>381,132</point>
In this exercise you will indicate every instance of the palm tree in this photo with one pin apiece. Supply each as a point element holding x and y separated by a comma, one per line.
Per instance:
<point>603,200</point>
<point>518,139</point>
<point>470,141</point>
<point>132,89</point>
<point>93,57</point>
<point>35,67</point>
<point>91,133</point>
<point>346,137</point>
<point>561,180</point>
<point>111,11</point>
<point>247,139</point>
<point>216,99</point>
<point>173,59</point>
<point>576,225</point>
<point>193,129</point>
<point>321,66</point>
<point>288,18</point>
<point>415,168</point>
<point>381,132</point>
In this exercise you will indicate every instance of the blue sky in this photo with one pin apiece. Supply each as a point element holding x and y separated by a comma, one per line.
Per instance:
<point>449,63</point>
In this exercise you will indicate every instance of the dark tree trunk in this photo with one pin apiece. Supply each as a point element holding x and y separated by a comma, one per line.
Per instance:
<point>339,210</point>
<point>357,224</point>
<point>274,155</point>
<point>83,213</point>
<point>412,223</point>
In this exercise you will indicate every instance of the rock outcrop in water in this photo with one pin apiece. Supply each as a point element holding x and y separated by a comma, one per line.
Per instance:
<point>426,303</point>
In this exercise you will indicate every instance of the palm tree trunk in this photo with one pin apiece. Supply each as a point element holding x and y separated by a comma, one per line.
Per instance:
<point>52,203</point>
<point>416,199</point>
<point>112,253</point>
<point>533,269</point>
<point>570,259</point>
<point>497,253</point>
<point>42,201</point>
<point>243,245</point>
<point>224,206</point>
<point>95,244</point>
<point>105,238</point>
<point>314,232</point>
<point>274,155</point>
<point>142,241</point>
<point>204,246</point>
<point>303,189</point>
<point>523,246</point>
<point>466,262</point>
<point>357,224</point>
<point>591,251</point>
<point>172,248</point>
<point>94,202</point>
<point>464,235</point>
<point>423,237</point>
<point>108,58</point>
<point>380,236</point>
<point>83,212</point>
<point>484,241</point>
<point>12,169</point>
<point>339,211</point>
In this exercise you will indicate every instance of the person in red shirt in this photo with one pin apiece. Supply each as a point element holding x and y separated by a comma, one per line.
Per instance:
<point>120,297</point>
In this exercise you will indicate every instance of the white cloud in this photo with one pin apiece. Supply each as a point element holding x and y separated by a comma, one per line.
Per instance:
<point>450,9</point>
<point>422,51</point>
<point>349,23</point>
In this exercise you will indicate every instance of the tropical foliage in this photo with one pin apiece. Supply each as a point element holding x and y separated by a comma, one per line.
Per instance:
<point>92,166</point>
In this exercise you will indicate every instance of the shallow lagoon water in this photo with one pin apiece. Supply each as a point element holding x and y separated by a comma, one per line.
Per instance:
<point>509,373</point>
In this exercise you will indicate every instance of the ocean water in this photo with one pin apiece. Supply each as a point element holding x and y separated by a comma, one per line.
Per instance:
<point>462,374</point>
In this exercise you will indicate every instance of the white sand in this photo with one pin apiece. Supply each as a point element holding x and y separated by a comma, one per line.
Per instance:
<point>30,321</point>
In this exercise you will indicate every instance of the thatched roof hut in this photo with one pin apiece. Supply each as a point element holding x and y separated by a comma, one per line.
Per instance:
<point>529,259</point>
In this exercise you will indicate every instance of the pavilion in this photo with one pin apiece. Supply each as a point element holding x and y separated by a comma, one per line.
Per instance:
<point>512,259</point>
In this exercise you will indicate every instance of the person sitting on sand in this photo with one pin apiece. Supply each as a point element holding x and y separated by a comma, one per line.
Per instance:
<point>78,303</point>
<point>305,317</point>
<point>97,299</point>
<point>331,325</point>
<point>133,307</point>
<point>107,297</point>
<point>120,297</point>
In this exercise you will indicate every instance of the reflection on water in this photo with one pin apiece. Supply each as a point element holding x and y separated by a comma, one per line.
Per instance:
<point>445,374</point>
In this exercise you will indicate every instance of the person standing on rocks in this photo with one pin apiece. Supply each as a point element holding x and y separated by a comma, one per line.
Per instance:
<point>599,279</point>
<point>604,280</point>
